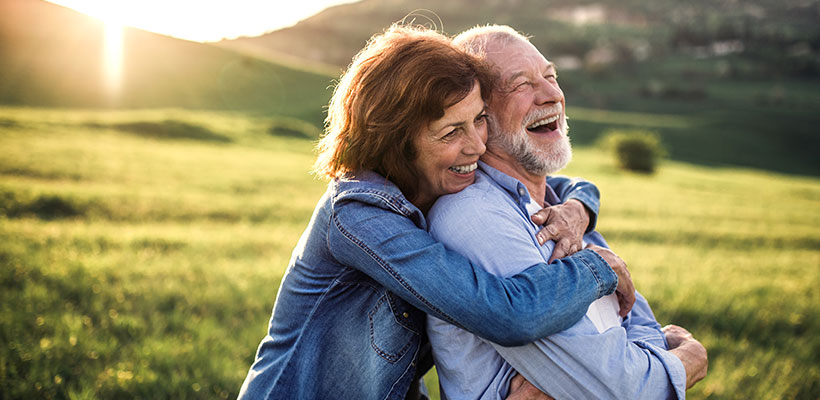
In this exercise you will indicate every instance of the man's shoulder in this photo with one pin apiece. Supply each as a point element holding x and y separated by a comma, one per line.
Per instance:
<point>482,195</point>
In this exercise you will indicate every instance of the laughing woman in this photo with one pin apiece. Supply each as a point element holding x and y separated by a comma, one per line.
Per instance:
<point>406,124</point>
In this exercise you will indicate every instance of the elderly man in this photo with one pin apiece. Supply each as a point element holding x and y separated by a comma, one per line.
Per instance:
<point>602,356</point>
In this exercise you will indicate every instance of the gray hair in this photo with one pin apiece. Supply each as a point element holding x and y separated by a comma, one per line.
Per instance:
<point>477,40</point>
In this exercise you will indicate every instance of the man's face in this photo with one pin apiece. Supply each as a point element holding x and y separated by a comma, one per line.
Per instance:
<point>528,115</point>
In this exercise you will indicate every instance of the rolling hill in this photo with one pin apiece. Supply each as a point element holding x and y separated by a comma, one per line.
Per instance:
<point>741,79</point>
<point>51,56</point>
<point>745,75</point>
<point>772,37</point>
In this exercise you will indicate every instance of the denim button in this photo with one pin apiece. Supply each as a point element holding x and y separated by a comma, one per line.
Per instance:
<point>405,315</point>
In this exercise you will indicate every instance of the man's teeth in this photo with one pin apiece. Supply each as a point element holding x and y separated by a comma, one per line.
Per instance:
<point>544,122</point>
<point>464,169</point>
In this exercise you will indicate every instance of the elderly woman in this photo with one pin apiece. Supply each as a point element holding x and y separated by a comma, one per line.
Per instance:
<point>406,124</point>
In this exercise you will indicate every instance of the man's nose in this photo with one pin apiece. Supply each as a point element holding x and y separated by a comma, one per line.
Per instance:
<point>549,92</point>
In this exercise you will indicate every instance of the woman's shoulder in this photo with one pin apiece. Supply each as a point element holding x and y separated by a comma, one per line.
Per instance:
<point>368,188</point>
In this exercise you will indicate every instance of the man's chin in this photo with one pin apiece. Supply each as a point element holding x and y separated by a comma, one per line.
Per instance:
<point>556,158</point>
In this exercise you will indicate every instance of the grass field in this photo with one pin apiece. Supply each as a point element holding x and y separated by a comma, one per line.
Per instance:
<point>140,253</point>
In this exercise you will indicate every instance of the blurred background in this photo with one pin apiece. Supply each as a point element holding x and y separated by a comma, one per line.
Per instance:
<point>155,156</point>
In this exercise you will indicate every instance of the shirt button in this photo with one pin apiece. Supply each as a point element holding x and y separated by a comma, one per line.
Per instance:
<point>405,315</point>
<point>521,191</point>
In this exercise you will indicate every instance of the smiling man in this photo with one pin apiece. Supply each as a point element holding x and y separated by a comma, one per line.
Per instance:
<point>607,354</point>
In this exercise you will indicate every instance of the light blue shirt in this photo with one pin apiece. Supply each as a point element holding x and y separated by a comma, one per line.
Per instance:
<point>488,222</point>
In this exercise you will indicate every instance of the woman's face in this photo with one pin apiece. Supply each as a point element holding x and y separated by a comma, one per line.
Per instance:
<point>448,149</point>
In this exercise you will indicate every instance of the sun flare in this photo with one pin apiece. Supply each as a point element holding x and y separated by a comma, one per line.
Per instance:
<point>112,57</point>
<point>185,19</point>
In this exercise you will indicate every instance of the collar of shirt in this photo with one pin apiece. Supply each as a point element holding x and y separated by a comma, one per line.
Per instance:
<point>516,188</point>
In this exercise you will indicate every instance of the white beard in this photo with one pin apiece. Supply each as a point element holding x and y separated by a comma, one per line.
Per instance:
<point>536,160</point>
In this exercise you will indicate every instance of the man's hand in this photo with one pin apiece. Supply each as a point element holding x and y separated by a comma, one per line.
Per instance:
<point>691,352</point>
<point>565,224</point>
<point>522,389</point>
<point>625,290</point>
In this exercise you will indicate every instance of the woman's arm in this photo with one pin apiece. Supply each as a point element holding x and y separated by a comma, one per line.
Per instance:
<point>542,300</point>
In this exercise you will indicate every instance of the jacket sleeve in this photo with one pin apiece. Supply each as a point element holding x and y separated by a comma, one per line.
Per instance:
<point>542,300</point>
<point>584,191</point>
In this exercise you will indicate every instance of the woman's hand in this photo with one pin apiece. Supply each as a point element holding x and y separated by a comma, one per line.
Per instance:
<point>626,289</point>
<point>565,224</point>
<point>522,389</point>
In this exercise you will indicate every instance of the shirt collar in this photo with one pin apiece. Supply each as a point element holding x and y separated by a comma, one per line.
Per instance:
<point>514,187</point>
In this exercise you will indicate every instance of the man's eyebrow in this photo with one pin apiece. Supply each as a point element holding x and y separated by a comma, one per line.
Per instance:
<point>513,77</point>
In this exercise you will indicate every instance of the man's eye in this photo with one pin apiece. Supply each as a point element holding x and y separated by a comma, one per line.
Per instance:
<point>481,119</point>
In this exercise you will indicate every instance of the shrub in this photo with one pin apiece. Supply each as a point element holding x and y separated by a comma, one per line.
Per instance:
<point>43,206</point>
<point>635,150</point>
<point>167,129</point>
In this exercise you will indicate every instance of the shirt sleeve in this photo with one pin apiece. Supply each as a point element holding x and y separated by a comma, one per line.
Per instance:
<point>584,191</point>
<point>617,363</point>
<point>645,368</point>
<point>641,325</point>
<point>392,250</point>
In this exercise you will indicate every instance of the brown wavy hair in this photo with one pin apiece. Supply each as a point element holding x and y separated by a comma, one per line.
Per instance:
<point>402,80</point>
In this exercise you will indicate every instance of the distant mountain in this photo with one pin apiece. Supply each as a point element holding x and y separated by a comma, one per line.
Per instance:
<point>53,56</point>
<point>770,36</point>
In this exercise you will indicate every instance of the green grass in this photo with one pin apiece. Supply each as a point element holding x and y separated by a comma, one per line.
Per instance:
<point>145,265</point>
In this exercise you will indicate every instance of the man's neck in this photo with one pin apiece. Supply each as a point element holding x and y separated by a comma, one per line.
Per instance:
<point>536,184</point>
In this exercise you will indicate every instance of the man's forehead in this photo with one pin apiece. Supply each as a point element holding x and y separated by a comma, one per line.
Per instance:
<point>512,70</point>
<point>517,56</point>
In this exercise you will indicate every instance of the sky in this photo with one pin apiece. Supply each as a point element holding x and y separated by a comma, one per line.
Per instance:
<point>202,20</point>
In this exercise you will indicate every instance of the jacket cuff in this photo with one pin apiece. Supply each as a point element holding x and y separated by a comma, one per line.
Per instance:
<point>604,275</point>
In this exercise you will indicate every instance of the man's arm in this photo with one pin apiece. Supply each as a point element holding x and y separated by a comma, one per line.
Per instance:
<point>690,351</point>
<point>630,362</point>
<point>559,365</point>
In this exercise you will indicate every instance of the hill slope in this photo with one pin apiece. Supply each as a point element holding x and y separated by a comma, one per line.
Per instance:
<point>53,56</point>
<point>744,73</point>
<point>775,37</point>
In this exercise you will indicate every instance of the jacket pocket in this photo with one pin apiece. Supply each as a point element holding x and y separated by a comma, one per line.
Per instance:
<point>392,331</point>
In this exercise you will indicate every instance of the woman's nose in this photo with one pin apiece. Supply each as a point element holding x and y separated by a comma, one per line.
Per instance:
<point>477,138</point>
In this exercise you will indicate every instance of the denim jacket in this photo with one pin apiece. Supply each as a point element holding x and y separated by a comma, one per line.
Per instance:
<point>349,316</point>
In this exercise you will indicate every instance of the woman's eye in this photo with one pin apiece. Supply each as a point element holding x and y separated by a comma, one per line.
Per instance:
<point>449,135</point>
<point>481,119</point>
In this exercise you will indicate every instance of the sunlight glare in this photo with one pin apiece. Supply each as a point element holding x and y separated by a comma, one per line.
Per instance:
<point>112,57</point>
<point>202,21</point>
